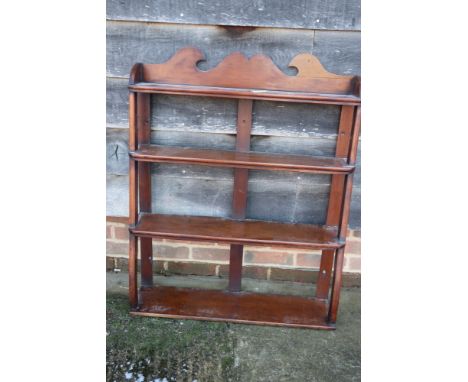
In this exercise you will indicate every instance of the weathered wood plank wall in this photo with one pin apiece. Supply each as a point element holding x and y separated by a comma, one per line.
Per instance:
<point>151,31</point>
<point>303,14</point>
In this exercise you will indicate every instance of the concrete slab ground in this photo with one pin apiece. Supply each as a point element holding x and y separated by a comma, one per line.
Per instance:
<point>154,349</point>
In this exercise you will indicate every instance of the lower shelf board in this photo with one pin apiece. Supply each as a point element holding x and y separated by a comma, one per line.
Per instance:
<point>229,231</point>
<point>239,307</point>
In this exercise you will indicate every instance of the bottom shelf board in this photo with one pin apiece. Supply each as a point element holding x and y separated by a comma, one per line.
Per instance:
<point>238,307</point>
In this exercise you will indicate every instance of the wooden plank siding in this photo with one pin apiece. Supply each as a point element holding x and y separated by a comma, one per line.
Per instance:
<point>302,14</point>
<point>211,196</point>
<point>130,42</point>
<point>140,31</point>
<point>203,190</point>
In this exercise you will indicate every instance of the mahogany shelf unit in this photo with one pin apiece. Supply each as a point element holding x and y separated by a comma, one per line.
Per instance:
<point>247,80</point>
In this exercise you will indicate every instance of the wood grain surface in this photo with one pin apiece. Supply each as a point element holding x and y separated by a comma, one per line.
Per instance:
<point>229,231</point>
<point>243,307</point>
<point>311,14</point>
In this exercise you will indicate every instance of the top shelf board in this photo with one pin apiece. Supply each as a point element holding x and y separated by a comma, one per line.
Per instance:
<point>256,94</point>
<point>240,77</point>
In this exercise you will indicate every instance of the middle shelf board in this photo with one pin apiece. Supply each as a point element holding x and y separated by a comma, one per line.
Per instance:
<point>249,232</point>
<point>251,160</point>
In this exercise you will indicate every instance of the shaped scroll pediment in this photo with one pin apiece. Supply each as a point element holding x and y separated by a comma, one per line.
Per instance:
<point>238,71</point>
<point>309,66</point>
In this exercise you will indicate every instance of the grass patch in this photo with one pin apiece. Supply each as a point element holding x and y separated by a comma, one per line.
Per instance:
<point>154,349</point>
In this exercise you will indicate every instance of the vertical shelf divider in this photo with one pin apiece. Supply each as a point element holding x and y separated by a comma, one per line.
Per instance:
<point>239,199</point>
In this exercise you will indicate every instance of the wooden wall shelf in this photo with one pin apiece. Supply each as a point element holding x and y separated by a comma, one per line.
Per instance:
<point>250,159</point>
<point>257,94</point>
<point>247,80</point>
<point>250,232</point>
<point>241,307</point>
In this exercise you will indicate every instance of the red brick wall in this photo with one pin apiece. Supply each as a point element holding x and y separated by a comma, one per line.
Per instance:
<point>271,263</point>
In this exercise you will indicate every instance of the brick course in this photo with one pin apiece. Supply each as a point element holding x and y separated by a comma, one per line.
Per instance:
<point>116,248</point>
<point>297,275</point>
<point>109,234</point>
<point>353,263</point>
<point>353,246</point>
<point>162,251</point>
<point>121,232</point>
<point>308,260</point>
<point>268,257</point>
<point>210,254</point>
<point>184,268</point>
